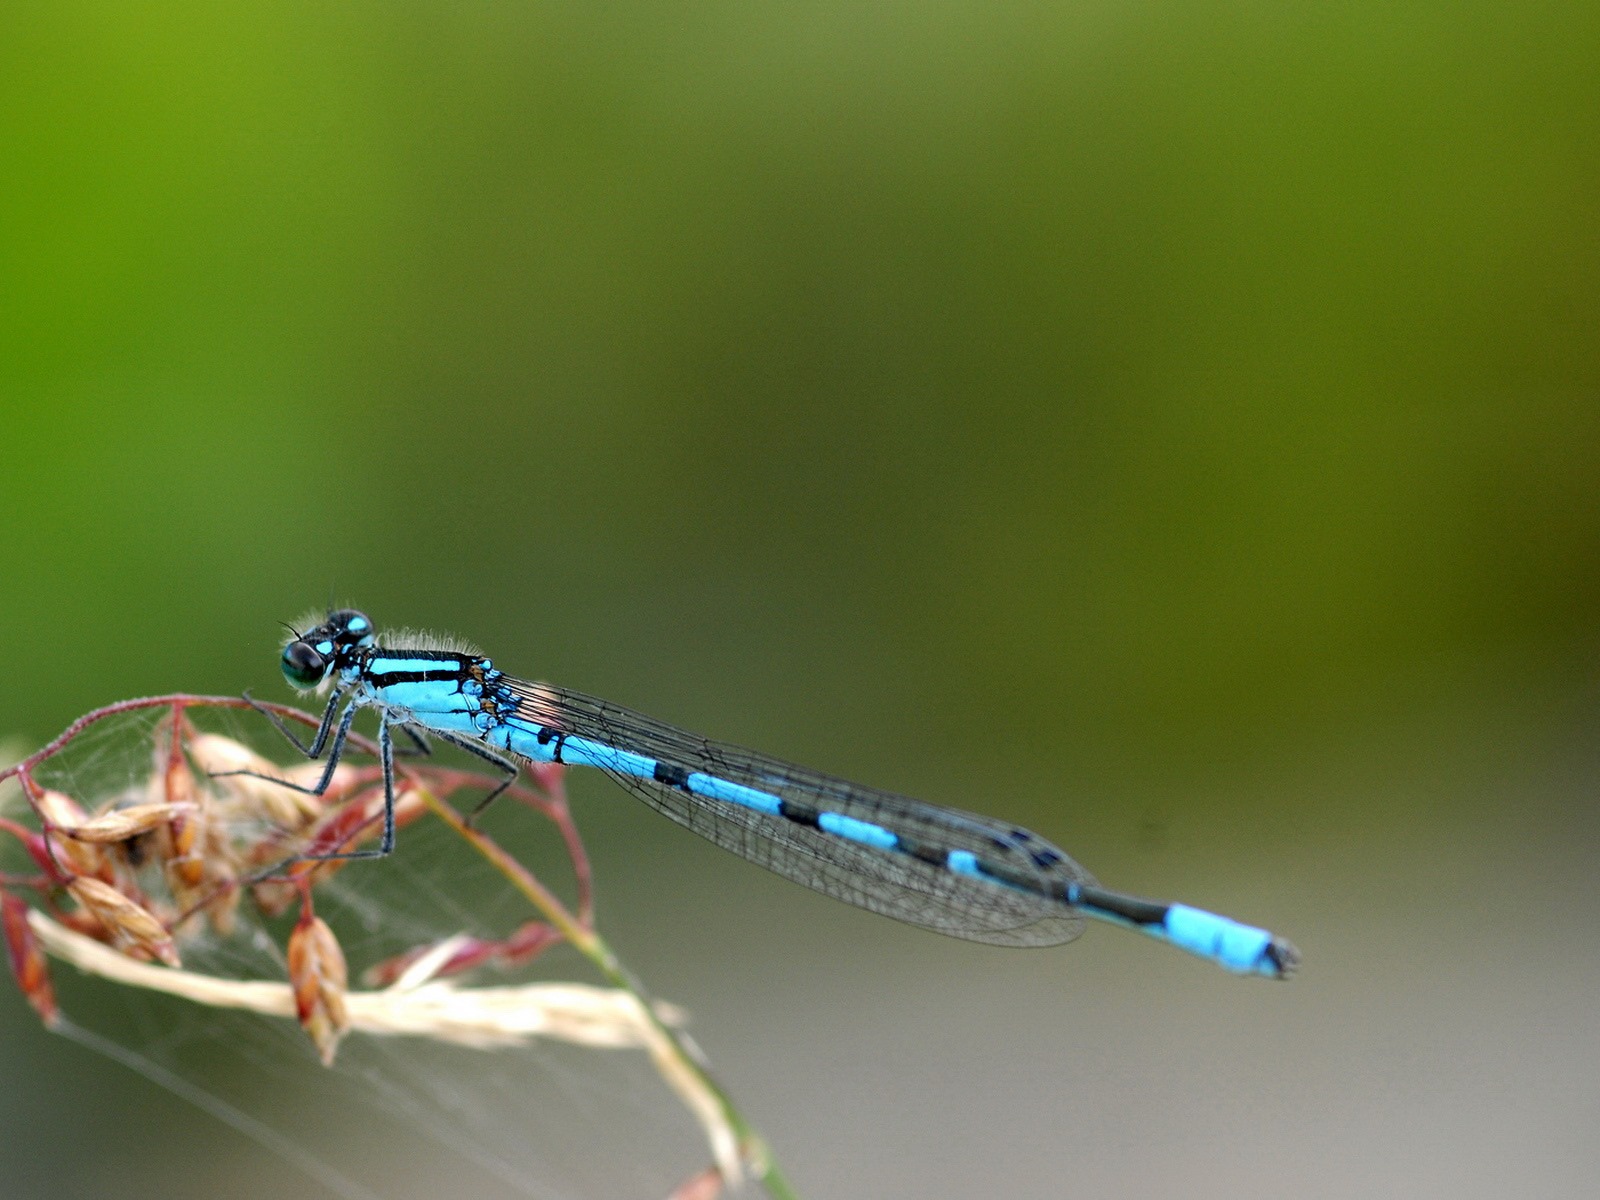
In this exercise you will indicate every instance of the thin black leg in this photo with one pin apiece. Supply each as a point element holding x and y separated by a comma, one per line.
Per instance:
<point>386,753</point>
<point>335,752</point>
<point>386,757</point>
<point>488,755</point>
<point>419,745</point>
<point>315,749</point>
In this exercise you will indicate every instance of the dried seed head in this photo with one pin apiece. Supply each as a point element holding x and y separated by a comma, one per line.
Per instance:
<point>202,867</point>
<point>62,815</point>
<point>186,869</point>
<point>131,926</point>
<point>178,780</point>
<point>120,824</point>
<point>222,875</point>
<point>260,799</point>
<point>318,975</point>
<point>58,808</point>
<point>28,962</point>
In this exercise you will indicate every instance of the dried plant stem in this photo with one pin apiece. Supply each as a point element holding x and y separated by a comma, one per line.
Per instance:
<point>735,1142</point>
<point>479,1017</point>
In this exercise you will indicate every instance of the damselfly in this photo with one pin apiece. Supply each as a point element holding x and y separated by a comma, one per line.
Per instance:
<point>955,872</point>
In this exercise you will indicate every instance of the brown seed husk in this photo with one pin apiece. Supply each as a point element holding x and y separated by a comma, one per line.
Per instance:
<point>27,957</point>
<point>131,925</point>
<point>318,974</point>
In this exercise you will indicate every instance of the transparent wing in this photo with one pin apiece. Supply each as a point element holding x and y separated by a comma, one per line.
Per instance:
<point>890,882</point>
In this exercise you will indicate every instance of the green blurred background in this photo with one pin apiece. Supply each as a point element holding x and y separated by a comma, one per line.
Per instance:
<point>1173,426</point>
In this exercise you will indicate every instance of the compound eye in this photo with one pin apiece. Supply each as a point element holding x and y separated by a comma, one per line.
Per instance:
<point>302,665</point>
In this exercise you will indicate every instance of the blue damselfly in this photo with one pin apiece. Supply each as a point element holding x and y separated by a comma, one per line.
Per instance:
<point>955,872</point>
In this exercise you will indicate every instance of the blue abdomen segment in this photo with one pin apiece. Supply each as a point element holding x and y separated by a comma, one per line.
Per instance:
<point>745,796</point>
<point>1240,948</point>
<point>531,741</point>
<point>581,752</point>
<point>543,744</point>
<point>865,832</point>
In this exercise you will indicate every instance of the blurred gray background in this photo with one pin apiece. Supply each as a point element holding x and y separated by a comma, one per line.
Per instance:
<point>1174,427</point>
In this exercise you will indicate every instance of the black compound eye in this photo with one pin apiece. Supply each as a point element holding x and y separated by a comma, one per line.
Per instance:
<point>302,665</point>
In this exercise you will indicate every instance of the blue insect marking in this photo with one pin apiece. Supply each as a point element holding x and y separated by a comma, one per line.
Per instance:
<point>864,832</point>
<point>712,788</point>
